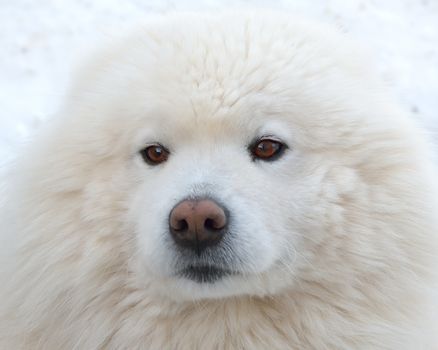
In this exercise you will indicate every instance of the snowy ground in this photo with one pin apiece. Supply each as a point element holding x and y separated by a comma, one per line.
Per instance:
<point>41,40</point>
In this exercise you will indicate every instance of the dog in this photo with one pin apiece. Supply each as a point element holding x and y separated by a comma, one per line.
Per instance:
<point>223,181</point>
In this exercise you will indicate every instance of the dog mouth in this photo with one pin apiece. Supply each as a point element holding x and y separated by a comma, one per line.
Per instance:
<point>204,273</point>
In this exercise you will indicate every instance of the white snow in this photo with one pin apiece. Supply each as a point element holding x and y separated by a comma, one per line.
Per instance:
<point>41,40</point>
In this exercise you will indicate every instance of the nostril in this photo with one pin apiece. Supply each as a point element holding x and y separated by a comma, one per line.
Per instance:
<point>209,224</point>
<point>181,225</point>
<point>212,224</point>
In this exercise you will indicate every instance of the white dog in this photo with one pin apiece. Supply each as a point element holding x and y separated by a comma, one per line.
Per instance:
<point>223,182</point>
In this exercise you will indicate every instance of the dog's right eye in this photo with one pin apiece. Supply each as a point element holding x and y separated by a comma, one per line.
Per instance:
<point>267,149</point>
<point>154,154</point>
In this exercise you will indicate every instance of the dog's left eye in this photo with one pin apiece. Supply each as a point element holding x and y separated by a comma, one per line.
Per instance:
<point>267,149</point>
<point>154,154</point>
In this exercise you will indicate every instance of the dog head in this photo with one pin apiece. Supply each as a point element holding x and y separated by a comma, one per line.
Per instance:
<point>237,154</point>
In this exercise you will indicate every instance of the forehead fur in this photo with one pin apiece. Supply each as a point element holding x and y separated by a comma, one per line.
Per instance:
<point>212,66</point>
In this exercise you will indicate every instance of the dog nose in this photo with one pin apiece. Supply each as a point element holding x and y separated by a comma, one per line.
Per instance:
<point>197,224</point>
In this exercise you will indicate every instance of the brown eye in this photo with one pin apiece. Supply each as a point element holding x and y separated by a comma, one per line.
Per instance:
<point>267,149</point>
<point>155,154</point>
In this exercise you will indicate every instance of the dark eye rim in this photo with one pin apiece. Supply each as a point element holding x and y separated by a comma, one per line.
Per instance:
<point>276,156</point>
<point>146,158</point>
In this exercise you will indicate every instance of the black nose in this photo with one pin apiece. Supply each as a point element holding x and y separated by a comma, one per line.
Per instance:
<point>197,224</point>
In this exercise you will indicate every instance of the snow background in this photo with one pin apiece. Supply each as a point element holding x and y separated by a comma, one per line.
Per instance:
<point>40,41</point>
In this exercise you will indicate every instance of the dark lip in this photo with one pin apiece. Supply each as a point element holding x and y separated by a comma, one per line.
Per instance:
<point>204,273</point>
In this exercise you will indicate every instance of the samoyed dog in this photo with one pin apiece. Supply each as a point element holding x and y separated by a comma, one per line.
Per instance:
<point>223,181</point>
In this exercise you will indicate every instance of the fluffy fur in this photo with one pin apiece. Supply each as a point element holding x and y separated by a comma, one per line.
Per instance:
<point>334,245</point>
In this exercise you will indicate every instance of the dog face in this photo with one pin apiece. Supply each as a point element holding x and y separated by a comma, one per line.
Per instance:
<point>234,159</point>
<point>214,214</point>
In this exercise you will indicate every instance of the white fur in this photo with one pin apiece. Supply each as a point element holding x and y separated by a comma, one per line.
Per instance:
<point>335,243</point>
